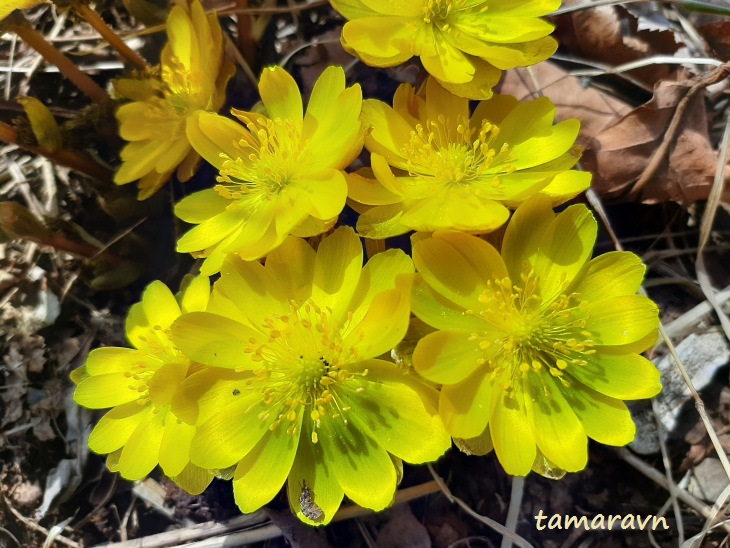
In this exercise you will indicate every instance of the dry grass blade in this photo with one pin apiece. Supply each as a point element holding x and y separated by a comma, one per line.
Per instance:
<point>498,527</point>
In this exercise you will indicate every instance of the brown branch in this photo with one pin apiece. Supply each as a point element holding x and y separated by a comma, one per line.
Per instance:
<point>70,158</point>
<point>246,43</point>
<point>17,23</point>
<point>115,41</point>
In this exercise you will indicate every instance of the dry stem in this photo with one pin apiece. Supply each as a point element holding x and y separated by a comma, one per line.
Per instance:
<point>17,22</point>
<point>114,40</point>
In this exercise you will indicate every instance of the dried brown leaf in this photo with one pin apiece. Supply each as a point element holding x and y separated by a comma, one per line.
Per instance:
<point>621,152</point>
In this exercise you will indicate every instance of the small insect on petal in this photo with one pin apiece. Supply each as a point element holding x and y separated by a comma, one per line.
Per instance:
<point>309,507</point>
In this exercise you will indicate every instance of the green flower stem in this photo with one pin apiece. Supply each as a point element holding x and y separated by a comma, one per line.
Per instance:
<point>17,22</point>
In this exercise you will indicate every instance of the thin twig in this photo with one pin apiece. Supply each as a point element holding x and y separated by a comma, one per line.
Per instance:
<point>19,24</point>
<point>246,43</point>
<point>673,488</point>
<point>114,40</point>
<point>660,479</point>
<point>649,61</point>
<point>234,9</point>
<point>498,527</point>
<point>705,283</point>
<point>35,527</point>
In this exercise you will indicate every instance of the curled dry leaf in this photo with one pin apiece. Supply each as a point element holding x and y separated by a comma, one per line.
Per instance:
<point>620,153</point>
<point>619,142</point>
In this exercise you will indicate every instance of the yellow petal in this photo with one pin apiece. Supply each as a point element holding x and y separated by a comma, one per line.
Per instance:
<point>141,453</point>
<point>216,137</point>
<point>512,436</point>
<point>280,94</point>
<point>337,271</point>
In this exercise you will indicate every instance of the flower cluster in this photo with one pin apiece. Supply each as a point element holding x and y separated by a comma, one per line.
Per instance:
<point>279,375</point>
<point>192,77</point>
<point>292,370</point>
<point>464,44</point>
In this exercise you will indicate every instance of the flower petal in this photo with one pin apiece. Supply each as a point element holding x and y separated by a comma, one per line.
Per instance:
<point>381,222</point>
<point>337,271</point>
<point>558,432</point>
<point>216,138</point>
<point>465,407</point>
<point>115,427</point>
<point>280,94</point>
<point>622,320</point>
<point>175,445</point>
<point>206,392</point>
<point>362,467</point>
<point>292,266</point>
<point>211,231</point>
<point>101,391</point>
<point>110,359</point>
<point>390,132</point>
<point>201,206</point>
<point>195,294</point>
<point>252,288</point>
<point>261,473</point>
<point>524,233</point>
<point>606,420</point>
<point>311,470</point>
<point>512,436</point>
<point>193,479</point>
<point>623,376</point>
<point>566,247</point>
<point>141,452</point>
<point>327,192</point>
<point>230,434</point>
<point>448,271</point>
<point>400,412</point>
<point>610,275</point>
<point>214,340</point>
<point>447,357</point>
<point>384,324</point>
<point>439,312</point>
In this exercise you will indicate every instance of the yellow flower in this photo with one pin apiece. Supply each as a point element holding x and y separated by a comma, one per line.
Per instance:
<point>10,5</point>
<point>465,44</point>
<point>192,77</point>
<point>139,384</point>
<point>537,346</point>
<point>297,389</point>
<point>279,175</point>
<point>437,167</point>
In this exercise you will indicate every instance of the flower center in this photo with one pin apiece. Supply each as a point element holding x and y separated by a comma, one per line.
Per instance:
<point>161,353</point>
<point>303,368</point>
<point>273,161</point>
<point>445,157</point>
<point>527,334</point>
<point>437,12</point>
